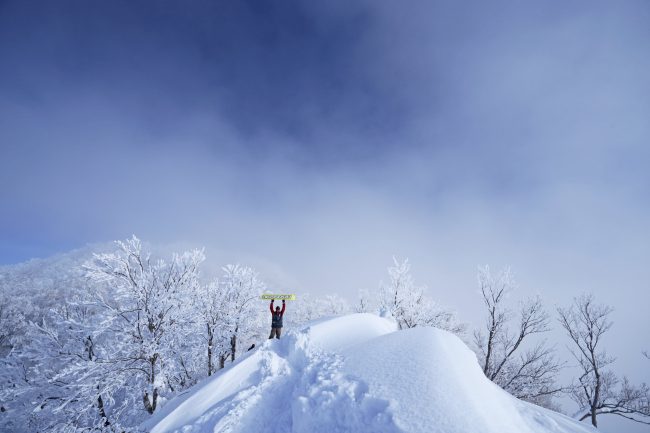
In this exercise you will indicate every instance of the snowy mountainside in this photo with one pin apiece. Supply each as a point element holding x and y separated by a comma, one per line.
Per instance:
<point>356,373</point>
<point>59,272</point>
<point>38,285</point>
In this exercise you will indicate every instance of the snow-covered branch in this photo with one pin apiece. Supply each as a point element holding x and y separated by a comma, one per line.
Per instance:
<point>597,390</point>
<point>530,373</point>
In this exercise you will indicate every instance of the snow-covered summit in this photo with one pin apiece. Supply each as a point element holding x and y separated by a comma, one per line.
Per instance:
<point>356,373</point>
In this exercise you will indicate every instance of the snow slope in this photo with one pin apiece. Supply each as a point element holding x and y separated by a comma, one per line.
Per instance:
<point>354,374</point>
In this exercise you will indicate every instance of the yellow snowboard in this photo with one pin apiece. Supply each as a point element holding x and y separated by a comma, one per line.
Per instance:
<point>268,296</point>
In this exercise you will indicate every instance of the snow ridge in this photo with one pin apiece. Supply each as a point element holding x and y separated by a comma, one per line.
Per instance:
<point>287,385</point>
<point>327,399</point>
<point>356,374</point>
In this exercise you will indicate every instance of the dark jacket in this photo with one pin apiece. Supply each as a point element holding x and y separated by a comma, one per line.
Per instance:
<point>276,322</point>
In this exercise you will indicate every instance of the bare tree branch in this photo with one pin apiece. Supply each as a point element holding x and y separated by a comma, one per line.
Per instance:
<point>527,374</point>
<point>595,391</point>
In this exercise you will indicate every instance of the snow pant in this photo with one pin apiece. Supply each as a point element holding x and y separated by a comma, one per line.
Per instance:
<point>276,332</point>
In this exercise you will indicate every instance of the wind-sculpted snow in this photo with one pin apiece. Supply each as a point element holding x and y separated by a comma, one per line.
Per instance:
<point>356,374</point>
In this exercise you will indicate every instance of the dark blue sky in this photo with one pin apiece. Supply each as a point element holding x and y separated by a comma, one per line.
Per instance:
<point>114,116</point>
<point>283,66</point>
<point>317,139</point>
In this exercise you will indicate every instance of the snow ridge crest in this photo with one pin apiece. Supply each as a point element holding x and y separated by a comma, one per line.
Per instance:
<point>287,385</point>
<point>356,374</point>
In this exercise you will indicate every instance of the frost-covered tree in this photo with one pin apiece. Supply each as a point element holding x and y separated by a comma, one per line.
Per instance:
<point>16,386</point>
<point>598,391</point>
<point>7,316</point>
<point>526,371</point>
<point>14,313</point>
<point>209,304</point>
<point>364,303</point>
<point>309,307</point>
<point>409,306</point>
<point>96,347</point>
<point>145,314</point>
<point>305,309</point>
<point>332,305</point>
<point>92,359</point>
<point>72,383</point>
<point>240,288</point>
<point>57,388</point>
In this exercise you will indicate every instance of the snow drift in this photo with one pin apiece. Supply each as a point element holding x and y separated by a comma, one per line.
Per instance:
<point>353,374</point>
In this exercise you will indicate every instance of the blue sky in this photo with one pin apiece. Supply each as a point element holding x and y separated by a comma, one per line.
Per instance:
<point>425,106</point>
<point>317,139</point>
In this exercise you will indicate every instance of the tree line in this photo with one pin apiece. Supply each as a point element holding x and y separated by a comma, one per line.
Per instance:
<point>100,347</point>
<point>512,354</point>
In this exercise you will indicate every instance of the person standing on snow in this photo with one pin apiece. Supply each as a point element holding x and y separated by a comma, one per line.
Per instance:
<point>276,322</point>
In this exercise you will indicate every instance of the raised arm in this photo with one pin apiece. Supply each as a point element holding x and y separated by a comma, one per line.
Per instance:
<point>271,306</point>
<point>283,307</point>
